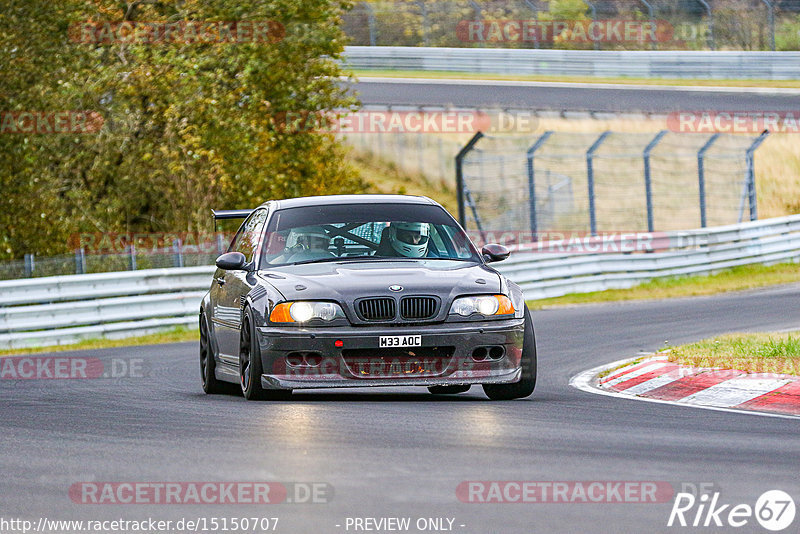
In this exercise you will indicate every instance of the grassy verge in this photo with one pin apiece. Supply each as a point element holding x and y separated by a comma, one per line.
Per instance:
<point>444,75</point>
<point>386,177</point>
<point>175,335</point>
<point>738,278</point>
<point>754,353</point>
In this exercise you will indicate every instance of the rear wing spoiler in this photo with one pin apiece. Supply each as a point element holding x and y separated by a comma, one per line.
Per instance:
<point>229,214</point>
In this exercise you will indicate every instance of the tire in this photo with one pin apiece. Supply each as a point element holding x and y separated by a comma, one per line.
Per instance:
<point>448,390</point>
<point>250,370</point>
<point>208,364</point>
<point>527,383</point>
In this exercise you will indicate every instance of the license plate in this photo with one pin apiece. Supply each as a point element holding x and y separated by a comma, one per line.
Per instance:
<point>400,341</point>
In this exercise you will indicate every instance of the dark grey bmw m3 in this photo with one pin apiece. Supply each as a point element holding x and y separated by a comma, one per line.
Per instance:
<point>362,290</point>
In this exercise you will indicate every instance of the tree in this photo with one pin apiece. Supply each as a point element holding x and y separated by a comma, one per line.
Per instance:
<point>187,125</point>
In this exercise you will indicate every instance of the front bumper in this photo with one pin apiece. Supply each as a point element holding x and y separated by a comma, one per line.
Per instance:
<point>444,358</point>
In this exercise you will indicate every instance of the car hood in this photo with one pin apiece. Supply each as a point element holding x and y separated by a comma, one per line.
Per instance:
<point>348,280</point>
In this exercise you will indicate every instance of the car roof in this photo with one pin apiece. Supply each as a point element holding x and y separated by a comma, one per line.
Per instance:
<point>350,199</point>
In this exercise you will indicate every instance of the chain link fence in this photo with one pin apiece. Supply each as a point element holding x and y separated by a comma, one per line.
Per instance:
<point>607,183</point>
<point>682,24</point>
<point>80,262</point>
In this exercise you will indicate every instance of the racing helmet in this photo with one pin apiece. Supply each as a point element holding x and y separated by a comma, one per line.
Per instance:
<point>316,238</point>
<point>308,238</point>
<point>409,239</point>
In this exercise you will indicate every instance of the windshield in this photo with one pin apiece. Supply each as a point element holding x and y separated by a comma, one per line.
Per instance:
<point>350,232</point>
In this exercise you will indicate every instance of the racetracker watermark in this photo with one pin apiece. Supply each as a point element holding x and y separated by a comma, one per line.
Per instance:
<point>552,492</point>
<point>50,122</point>
<point>149,242</point>
<point>422,121</point>
<point>181,32</point>
<point>71,367</point>
<point>209,492</point>
<point>570,242</point>
<point>409,362</point>
<point>573,31</point>
<point>734,122</point>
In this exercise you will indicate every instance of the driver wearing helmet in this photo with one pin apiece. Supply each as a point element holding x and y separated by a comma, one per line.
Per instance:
<point>311,243</point>
<point>406,239</point>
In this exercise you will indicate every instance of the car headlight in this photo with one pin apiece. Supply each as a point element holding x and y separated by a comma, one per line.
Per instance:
<point>482,304</point>
<point>302,311</point>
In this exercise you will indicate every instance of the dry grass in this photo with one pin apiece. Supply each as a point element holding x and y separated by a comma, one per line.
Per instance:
<point>777,353</point>
<point>388,178</point>
<point>176,335</point>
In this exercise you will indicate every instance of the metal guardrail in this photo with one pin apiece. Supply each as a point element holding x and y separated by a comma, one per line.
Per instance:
<point>66,309</point>
<point>546,274</point>
<point>61,310</point>
<point>637,64</point>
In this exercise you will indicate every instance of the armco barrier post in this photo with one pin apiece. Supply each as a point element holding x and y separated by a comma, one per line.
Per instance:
<point>701,177</point>
<point>132,256</point>
<point>648,182</point>
<point>462,216</point>
<point>751,174</point>
<point>532,182</point>
<point>590,179</point>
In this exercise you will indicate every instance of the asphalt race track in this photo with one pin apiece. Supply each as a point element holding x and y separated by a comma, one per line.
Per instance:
<point>567,97</point>
<point>403,452</point>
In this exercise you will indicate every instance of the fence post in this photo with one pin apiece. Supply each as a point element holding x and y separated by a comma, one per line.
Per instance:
<point>424,12</point>
<point>80,261</point>
<point>532,183</point>
<point>536,13</point>
<point>648,182</point>
<point>371,23</point>
<point>177,248</point>
<point>654,44</point>
<point>711,42</point>
<point>771,16</point>
<point>462,216</point>
<point>132,256</point>
<point>593,9</point>
<point>478,18</point>
<point>751,174</point>
<point>30,265</point>
<point>590,179</point>
<point>701,177</point>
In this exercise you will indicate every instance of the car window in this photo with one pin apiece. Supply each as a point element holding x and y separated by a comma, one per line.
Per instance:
<point>248,237</point>
<point>316,233</point>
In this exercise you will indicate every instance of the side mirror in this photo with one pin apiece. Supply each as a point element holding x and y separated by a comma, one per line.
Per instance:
<point>231,261</point>
<point>493,252</point>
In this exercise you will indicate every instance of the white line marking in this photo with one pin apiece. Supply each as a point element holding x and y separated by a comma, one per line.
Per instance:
<point>734,391</point>
<point>581,85</point>
<point>652,366</point>
<point>652,384</point>
<point>587,380</point>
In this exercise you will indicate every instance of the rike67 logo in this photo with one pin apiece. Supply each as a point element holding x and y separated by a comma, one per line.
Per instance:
<point>774,510</point>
